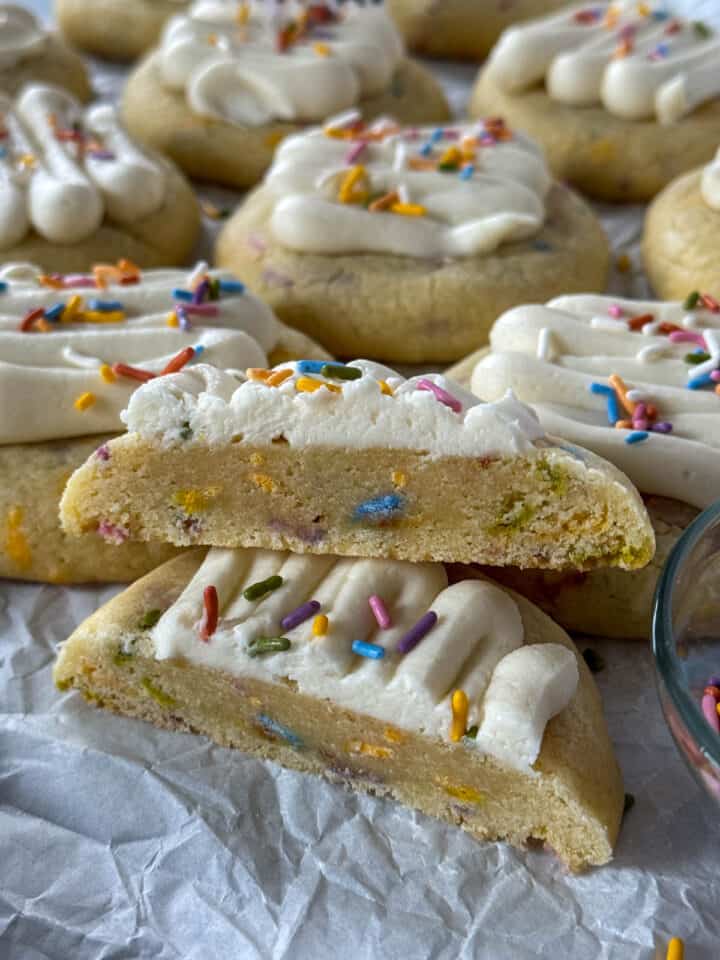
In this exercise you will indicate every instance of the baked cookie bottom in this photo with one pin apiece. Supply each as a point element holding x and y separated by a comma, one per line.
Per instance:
<point>33,545</point>
<point>212,149</point>
<point>573,804</point>
<point>164,238</point>
<point>462,29</point>
<point>115,29</point>
<point>555,509</point>
<point>407,310</point>
<point>57,64</point>
<point>681,241</point>
<point>604,156</point>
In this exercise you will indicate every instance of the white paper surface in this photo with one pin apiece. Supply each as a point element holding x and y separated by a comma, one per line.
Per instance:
<point>118,840</point>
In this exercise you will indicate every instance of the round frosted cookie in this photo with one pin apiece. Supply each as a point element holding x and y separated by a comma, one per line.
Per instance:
<point>76,189</point>
<point>70,371</point>
<point>31,54</point>
<point>681,240</point>
<point>613,375</point>
<point>116,29</point>
<point>619,130</point>
<point>413,282</point>
<point>219,108</point>
<point>460,28</point>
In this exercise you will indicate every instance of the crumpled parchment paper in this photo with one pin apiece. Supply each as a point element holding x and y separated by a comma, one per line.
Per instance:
<point>121,841</point>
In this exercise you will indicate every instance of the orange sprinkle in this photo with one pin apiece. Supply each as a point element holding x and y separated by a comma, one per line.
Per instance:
<point>624,263</point>
<point>618,385</point>
<point>382,203</point>
<point>178,361</point>
<point>257,373</point>
<point>409,209</point>
<point>321,49</point>
<point>421,163</point>
<point>308,385</point>
<point>133,373</point>
<point>278,377</point>
<point>384,388</point>
<point>50,281</point>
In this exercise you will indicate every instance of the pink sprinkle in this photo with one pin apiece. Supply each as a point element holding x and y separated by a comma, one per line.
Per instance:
<point>442,395</point>
<point>452,134</point>
<point>715,375</point>
<point>355,152</point>
<point>113,532</point>
<point>615,310</point>
<point>103,452</point>
<point>78,280</point>
<point>709,709</point>
<point>201,309</point>
<point>639,423</point>
<point>640,411</point>
<point>687,336</point>
<point>380,611</point>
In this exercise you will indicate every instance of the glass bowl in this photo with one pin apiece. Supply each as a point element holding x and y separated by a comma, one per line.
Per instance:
<point>686,643</point>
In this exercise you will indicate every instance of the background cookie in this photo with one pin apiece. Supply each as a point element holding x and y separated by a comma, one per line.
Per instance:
<point>116,29</point>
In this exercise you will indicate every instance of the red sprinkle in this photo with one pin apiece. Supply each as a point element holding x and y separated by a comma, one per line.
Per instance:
<point>669,328</point>
<point>134,373</point>
<point>178,361</point>
<point>209,621</point>
<point>637,323</point>
<point>29,319</point>
<point>710,302</point>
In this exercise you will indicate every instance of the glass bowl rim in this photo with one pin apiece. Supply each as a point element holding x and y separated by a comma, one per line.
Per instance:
<point>666,659</point>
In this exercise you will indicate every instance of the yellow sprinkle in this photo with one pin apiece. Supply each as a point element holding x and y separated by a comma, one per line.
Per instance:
<point>398,478</point>
<point>462,792</point>
<point>320,625</point>
<point>16,545</point>
<point>321,49</point>
<point>384,388</point>
<point>643,9</point>
<point>172,320</point>
<point>675,950</point>
<point>308,385</point>
<point>103,316</point>
<point>717,707</point>
<point>409,209</point>
<point>348,192</point>
<point>194,500</point>
<point>263,481</point>
<point>369,749</point>
<point>72,308</point>
<point>624,263</point>
<point>212,39</point>
<point>451,155</point>
<point>27,160</point>
<point>243,13</point>
<point>393,735</point>
<point>278,377</point>
<point>84,401</point>
<point>106,373</point>
<point>460,714</point>
<point>257,373</point>
<point>256,459</point>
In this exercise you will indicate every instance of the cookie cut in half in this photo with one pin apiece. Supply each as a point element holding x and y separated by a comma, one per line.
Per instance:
<point>354,460</point>
<point>463,701</point>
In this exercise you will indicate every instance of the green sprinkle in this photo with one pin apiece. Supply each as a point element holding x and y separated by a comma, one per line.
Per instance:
<point>63,685</point>
<point>263,645</point>
<point>186,430</point>
<point>695,358</point>
<point>214,288</point>
<point>447,167</point>
<point>164,699</point>
<point>340,372</point>
<point>148,620</point>
<point>702,29</point>
<point>257,590</point>
<point>593,659</point>
<point>629,802</point>
<point>472,732</point>
<point>691,300</point>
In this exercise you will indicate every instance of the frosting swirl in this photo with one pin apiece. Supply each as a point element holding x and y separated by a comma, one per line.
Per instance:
<point>710,183</point>
<point>247,64</point>
<point>66,382</point>
<point>21,36</point>
<point>375,407</point>
<point>477,645</point>
<point>633,58</point>
<point>62,169</point>
<point>590,364</point>
<point>455,191</point>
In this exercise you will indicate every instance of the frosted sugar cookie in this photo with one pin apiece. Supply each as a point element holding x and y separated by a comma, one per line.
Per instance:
<point>75,189</point>
<point>404,244</point>
<point>354,460</point>
<point>29,53</point>
<point>72,350</point>
<point>623,96</point>
<point>116,29</point>
<point>229,81</point>
<point>633,381</point>
<point>681,241</point>
<point>460,28</point>
<point>463,701</point>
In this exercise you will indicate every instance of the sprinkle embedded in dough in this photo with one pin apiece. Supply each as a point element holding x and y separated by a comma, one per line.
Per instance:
<point>16,544</point>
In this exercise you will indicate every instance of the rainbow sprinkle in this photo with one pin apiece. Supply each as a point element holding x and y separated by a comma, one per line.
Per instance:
<point>373,651</point>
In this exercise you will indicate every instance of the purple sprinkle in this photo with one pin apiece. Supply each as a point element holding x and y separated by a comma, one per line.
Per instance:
<point>662,427</point>
<point>181,314</point>
<point>113,532</point>
<point>300,615</point>
<point>415,634</point>
<point>714,681</point>
<point>200,291</point>
<point>103,452</point>
<point>355,152</point>
<point>102,155</point>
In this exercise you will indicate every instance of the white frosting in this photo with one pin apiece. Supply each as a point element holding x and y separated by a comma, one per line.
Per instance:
<point>63,188</point>
<point>476,645</point>
<point>710,183</point>
<point>219,406</point>
<point>21,36</point>
<point>499,199</point>
<point>43,374</point>
<point>634,59</point>
<point>235,71</point>
<point>550,355</point>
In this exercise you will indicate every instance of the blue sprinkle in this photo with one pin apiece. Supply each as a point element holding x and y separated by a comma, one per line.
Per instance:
<point>3,286</point>
<point>437,135</point>
<point>3,152</point>
<point>660,15</point>
<point>467,172</point>
<point>371,650</point>
<point>55,312</point>
<point>105,306</point>
<point>198,349</point>
<point>310,366</point>
<point>601,388</point>
<point>637,436</point>
<point>698,382</point>
<point>185,295</point>
<point>613,409</point>
<point>426,150</point>
<point>380,508</point>
<point>231,286</point>
<point>280,730</point>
